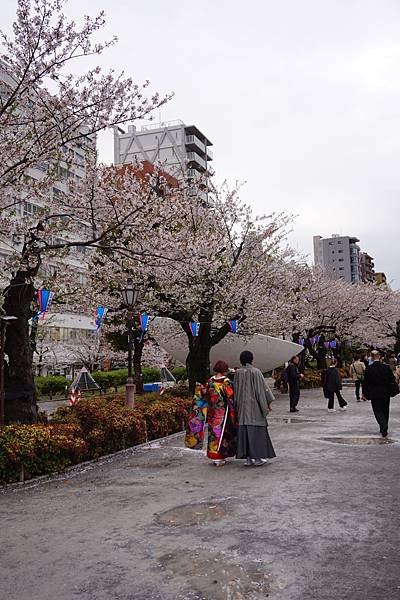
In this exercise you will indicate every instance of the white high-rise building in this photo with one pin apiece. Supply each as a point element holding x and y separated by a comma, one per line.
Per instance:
<point>339,256</point>
<point>182,150</point>
<point>61,327</point>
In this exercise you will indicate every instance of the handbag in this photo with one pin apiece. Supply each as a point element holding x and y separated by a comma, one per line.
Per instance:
<point>394,389</point>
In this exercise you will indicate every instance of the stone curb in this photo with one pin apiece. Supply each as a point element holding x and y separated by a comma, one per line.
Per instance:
<point>75,470</point>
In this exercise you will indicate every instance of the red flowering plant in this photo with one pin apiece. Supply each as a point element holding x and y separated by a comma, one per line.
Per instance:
<point>92,428</point>
<point>164,417</point>
<point>39,449</point>
<point>107,426</point>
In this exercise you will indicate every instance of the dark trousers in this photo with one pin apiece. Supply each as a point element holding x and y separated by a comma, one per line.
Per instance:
<point>358,387</point>
<point>381,406</point>
<point>331,399</point>
<point>294,394</point>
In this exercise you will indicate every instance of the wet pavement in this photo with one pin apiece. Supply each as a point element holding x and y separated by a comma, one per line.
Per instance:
<point>321,521</point>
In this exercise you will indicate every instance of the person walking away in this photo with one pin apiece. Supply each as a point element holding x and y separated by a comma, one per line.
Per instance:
<point>214,402</point>
<point>379,386</point>
<point>293,377</point>
<point>332,385</point>
<point>252,401</point>
<point>357,370</point>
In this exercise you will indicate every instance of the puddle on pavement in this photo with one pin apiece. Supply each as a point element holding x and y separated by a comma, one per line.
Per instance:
<point>209,576</point>
<point>193,514</point>
<point>359,441</point>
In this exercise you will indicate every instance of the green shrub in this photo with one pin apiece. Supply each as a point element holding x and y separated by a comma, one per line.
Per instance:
<point>180,373</point>
<point>150,374</point>
<point>110,379</point>
<point>50,385</point>
<point>311,379</point>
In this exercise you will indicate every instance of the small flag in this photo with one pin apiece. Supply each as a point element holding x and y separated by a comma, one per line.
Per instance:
<point>194,328</point>
<point>333,344</point>
<point>45,298</point>
<point>326,344</point>
<point>301,341</point>
<point>101,312</point>
<point>233,324</point>
<point>144,321</point>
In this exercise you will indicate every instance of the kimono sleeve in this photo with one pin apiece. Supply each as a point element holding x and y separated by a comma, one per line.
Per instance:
<point>195,427</point>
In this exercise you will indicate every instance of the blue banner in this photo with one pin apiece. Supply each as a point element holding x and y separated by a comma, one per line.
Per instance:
<point>194,328</point>
<point>233,324</point>
<point>101,312</point>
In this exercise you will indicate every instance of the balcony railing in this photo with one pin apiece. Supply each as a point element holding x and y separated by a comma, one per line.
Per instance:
<point>195,143</point>
<point>196,158</point>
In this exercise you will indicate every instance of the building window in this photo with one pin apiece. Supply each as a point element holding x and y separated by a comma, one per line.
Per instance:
<point>341,268</point>
<point>341,259</point>
<point>340,251</point>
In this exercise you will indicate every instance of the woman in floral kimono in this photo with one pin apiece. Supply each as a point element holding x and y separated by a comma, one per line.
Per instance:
<point>213,404</point>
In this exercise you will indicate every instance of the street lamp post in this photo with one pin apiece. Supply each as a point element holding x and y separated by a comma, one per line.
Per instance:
<point>3,324</point>
<point>130,296</point>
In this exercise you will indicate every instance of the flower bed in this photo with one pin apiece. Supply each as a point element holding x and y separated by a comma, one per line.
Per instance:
<point>92,428</point>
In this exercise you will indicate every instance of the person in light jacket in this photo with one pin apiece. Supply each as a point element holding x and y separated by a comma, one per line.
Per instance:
<point>357,371</point>
<point>252,400</point>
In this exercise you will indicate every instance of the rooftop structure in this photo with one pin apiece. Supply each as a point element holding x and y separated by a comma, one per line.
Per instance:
<point>182,150</point>
<point>339,256</point>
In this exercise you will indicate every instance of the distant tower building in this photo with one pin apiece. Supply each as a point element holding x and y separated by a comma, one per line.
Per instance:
<point>367,268</point>
<point>180,149</point>
<point>339,256</point>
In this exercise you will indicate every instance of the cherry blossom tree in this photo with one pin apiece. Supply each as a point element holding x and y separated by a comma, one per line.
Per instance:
<point>109,210</point>
<point>220,263</point>
<point>361,313</point>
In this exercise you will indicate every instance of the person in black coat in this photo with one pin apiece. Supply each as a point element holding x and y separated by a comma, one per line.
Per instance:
<point>332,385</point>
<point>379,383</point>
<point>293,376</point>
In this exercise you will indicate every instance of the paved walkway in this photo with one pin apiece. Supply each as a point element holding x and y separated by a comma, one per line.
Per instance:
<point>320,522</point>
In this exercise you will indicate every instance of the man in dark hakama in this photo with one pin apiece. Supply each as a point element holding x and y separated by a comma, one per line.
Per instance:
<point>252,399</point>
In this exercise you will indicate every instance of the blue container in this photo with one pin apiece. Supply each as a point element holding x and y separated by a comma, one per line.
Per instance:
<point>151,387</point>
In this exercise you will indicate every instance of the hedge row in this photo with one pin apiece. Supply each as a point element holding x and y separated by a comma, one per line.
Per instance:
<point>56,384</point>
<point>51,385</point>
<point>92,428</point>
<point>114,379</point>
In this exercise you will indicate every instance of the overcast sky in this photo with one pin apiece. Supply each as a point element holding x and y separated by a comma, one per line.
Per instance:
<point>301,100</point>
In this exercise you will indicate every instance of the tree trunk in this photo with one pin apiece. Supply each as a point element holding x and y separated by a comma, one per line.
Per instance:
<point>20,397</point>
<point>198,359</point>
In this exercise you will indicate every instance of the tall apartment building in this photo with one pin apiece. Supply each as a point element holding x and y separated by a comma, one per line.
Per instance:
<point>367,268</point>
<point>182,150</point>
<point>71,167</point>
<point>339,256</point>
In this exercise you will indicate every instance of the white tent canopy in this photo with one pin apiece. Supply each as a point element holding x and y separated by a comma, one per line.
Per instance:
<point>269,352</point>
